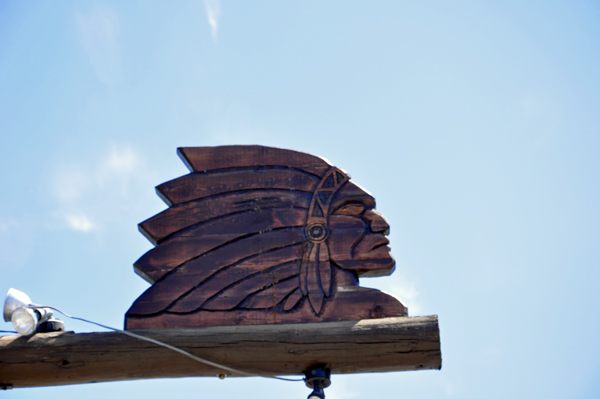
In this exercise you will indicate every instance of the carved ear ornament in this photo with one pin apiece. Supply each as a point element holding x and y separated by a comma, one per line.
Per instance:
<point>315,270</point>
<point>316,232</point>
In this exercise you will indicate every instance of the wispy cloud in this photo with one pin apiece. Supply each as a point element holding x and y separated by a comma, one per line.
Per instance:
<point>99,31</point>
<point>70,183</point>
<point>7,226</point>
<point>79,222</point>
<point>407,292</point>
<point>117,169</point>
<point>84,192</point>
<point>401,287</point>
<point>213,12</point>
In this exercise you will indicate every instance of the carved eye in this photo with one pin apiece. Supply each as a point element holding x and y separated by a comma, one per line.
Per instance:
<point>350,209</point>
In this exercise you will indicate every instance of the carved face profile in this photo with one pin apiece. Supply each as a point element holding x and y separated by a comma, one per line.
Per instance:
<point>256,228</point>
<point>358,239</point>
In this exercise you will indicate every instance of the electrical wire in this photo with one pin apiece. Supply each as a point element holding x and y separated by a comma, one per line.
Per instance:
<point>173,348</point>
<point>6,331</point>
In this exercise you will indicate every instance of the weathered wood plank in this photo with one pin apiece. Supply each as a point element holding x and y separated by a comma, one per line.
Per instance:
<point>179,217</point>
<point>196,186</point>
<point>199,159</point>
<point>378,345</point>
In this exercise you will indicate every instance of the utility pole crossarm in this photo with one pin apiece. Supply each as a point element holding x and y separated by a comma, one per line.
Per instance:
<point>374,345</point>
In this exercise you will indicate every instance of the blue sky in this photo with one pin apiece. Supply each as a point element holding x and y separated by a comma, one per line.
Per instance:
<point>475,125</point>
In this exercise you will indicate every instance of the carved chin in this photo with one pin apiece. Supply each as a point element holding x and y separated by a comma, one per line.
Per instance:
<point>374,263</point>
<point>370,257</point>
<point>373,267</point>
<point>377,262</point>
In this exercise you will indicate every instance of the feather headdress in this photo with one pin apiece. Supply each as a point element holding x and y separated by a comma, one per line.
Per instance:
<point>259,220</point>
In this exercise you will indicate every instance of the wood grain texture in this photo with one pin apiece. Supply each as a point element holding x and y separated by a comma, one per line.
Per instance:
<point>200,159</point>
<point>201,185</point>
<point>202,238</point>
<point>262,235</point>
<point>381,345</point>
<point>347,303</point>
<point>180,217</point>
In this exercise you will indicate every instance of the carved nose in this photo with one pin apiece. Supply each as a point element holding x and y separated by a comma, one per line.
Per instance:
<point>377,222</point>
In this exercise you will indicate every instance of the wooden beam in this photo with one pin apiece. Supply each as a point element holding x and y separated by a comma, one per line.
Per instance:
<point>375,345</point>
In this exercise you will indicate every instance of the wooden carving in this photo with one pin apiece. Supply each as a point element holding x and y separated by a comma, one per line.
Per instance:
<point>262,235</point>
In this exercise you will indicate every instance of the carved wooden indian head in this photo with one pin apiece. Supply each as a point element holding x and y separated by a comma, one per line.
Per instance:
<point>257,235</point>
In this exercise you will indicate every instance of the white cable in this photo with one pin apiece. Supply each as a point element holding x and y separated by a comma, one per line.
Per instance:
<point>173,348</point>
